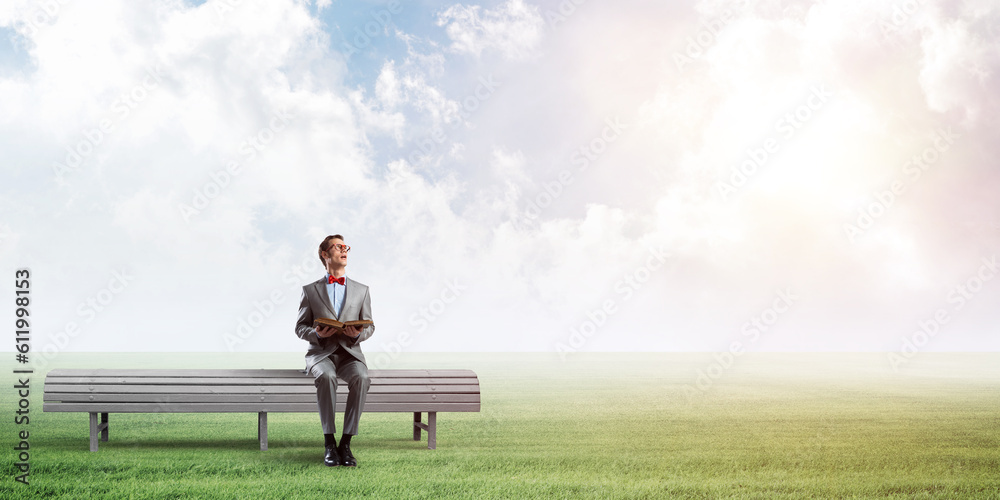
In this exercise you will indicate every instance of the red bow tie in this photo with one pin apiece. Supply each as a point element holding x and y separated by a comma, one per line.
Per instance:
<point>333,280</point>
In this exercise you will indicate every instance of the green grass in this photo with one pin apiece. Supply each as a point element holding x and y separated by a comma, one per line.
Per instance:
<point>595,425</point>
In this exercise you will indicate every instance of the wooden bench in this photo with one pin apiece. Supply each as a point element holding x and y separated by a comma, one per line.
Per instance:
<point>104,391</point>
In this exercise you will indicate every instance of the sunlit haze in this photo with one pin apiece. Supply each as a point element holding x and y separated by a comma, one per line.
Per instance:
<point>574,175</point>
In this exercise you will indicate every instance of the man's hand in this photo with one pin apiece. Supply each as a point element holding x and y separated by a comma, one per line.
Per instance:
<point>352,331</point>
<point>325,331</point>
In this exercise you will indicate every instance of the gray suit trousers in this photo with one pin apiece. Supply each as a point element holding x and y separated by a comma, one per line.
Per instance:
<point>355,373</point>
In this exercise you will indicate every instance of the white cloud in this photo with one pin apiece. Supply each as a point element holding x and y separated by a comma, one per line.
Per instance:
<point>960,69</point>
<point>158,104</point>
<point>228,81</point>
<point>408,107</point>
<point>509,166</point>
<point>514,29</point>
<point>387,86</point>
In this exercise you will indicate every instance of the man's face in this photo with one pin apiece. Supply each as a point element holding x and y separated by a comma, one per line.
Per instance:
<point>337,251</point>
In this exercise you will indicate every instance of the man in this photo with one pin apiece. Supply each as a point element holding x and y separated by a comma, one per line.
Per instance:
<point>334,354</point>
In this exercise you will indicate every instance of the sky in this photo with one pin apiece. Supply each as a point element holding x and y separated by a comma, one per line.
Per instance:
<point>554,176</point>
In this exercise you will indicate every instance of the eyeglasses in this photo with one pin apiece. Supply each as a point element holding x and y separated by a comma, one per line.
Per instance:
<point>338,247</point>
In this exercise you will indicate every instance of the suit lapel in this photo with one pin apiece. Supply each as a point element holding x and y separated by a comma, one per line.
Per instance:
<point>350,289</point>
<point>325,298</point>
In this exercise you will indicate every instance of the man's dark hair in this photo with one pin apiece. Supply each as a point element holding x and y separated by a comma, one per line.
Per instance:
<point>325,245</point>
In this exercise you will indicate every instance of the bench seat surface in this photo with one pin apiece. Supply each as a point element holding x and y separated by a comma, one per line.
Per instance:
<point>250,390</point>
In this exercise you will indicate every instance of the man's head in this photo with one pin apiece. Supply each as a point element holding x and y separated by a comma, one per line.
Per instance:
<point>333,250</point>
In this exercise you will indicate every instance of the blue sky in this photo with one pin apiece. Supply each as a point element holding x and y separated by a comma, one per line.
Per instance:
<point>658,175</point>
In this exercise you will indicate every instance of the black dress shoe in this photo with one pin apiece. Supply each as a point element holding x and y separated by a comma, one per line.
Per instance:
<point>346,459</point>
<point>332,458</point>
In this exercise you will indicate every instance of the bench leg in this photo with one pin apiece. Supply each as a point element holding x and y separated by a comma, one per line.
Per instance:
<point>96,427</point>
<point>262,430</point>
<point>93,431</point>
<point>104,431</point>
<point>430,427</point>
<point>432,430</point>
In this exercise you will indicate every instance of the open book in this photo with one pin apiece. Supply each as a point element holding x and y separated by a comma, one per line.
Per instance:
<point>338,325</point>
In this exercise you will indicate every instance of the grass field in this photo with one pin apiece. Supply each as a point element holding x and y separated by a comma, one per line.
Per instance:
<point>614,425</point>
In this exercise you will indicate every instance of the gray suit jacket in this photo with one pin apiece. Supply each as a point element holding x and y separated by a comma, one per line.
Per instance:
<point>315,303</point>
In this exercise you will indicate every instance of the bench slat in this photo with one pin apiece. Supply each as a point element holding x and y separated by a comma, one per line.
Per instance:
<point>247,407</point>
<point>179,372</point>
<point>303,379</point>
<point>250,398</point>
<point>246,389</point>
